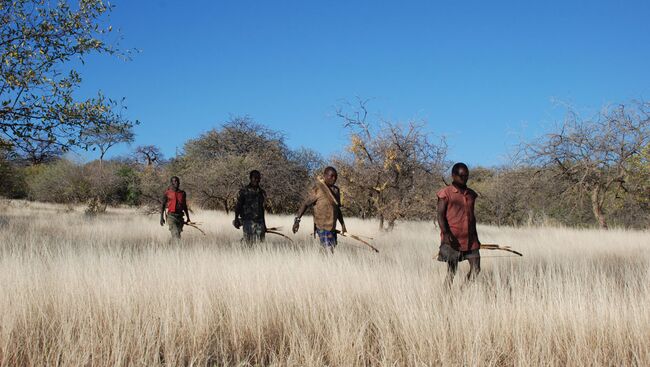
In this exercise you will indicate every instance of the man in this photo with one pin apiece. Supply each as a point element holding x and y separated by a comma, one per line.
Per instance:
<point>175,201</point>
<point>249,210</point>
<point>459,239</point>
<point>325,197</point>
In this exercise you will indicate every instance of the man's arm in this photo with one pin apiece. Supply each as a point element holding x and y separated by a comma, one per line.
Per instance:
<point>340,214</point>
<point>303,208</point>
<point>473,224</point>
<point>343,229</point>
<point>162,210</point>
<point>185,209</point>
<point>238,209</point>
<point>447,236</point>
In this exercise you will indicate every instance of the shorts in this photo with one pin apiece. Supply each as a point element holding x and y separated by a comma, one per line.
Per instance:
<point>253,231</point>
<point>175,222</point>
<point>327,238</point>
<point>449,254</point>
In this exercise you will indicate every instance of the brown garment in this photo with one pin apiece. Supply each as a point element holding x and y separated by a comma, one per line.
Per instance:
<point>326,212</point>
<point>460,216</point>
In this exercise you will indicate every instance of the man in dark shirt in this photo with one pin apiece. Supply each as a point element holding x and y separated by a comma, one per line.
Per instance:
<point>249,210</point>
<point>175,201</point>
<point>459,238</point>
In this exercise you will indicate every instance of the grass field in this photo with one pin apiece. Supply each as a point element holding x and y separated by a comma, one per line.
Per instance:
<point>112,290</point>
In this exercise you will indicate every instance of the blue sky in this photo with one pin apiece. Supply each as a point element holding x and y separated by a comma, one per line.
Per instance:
<point>482,74</point>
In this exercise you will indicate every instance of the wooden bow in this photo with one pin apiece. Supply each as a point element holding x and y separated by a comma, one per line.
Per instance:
<point>355,237</point>
<point>491,246</point>
<point>195,226</point>
<point>274,230</point>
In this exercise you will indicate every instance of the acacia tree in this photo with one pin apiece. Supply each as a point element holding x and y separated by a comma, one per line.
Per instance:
<point>598,154</point>
<point>390,167</point>
<point>38,39</point>
<point>111,130</point>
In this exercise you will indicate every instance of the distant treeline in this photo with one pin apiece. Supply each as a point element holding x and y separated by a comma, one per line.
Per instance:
<point>592,171</point>
<point>388,171</point>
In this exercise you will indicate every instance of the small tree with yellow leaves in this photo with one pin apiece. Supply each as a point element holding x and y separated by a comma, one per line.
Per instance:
<point>390,170</point>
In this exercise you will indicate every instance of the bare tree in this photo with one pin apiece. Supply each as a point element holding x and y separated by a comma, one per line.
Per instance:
<point>148,154</point>
<point>595,154</point>
<point>38,151</point>
<point>390,167</point>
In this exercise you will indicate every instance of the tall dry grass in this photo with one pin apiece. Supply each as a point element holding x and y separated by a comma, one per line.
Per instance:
<point>112,290</point>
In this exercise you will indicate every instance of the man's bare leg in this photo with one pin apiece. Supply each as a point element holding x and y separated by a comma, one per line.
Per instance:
<point>474,267</point>
<point>452,267</point>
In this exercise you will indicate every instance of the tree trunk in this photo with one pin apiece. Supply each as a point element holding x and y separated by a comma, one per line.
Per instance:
<point>381,222</point>
<point>225,206</point>
<point>597,207</point>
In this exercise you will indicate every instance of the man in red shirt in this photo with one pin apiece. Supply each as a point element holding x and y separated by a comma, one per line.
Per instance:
<point>175,201</point>
<point>459,239</point>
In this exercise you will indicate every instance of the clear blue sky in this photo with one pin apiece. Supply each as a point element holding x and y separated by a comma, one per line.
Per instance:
<point>481,73</point>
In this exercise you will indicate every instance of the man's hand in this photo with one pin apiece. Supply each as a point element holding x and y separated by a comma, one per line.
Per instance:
<point>236,223</point>
<point>448,238</point>
<point>162,220</point>
<point>343,229</point>
<point>296,225</point>
<point>188,221</point>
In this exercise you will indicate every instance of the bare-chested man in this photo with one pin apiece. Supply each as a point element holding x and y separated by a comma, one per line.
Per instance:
<point>325,197</point>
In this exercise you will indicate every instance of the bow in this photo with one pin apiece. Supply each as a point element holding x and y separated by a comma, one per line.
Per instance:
<point>355,237</point>
<point>274,230</point>
<point>490,246</point>
<point>195,226</point>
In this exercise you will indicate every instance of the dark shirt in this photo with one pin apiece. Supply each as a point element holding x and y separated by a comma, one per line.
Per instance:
<point>250,203</point>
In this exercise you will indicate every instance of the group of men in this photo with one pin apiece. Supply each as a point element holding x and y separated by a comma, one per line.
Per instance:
<point>455,214</point>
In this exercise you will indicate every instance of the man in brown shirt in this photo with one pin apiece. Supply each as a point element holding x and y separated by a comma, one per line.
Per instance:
<point>325,197</point>
<point>459,238</point>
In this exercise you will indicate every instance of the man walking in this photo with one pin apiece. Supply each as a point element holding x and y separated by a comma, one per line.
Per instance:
<point>459,239</point>
<point>175,201</point>
<point>249,210</point>
<point>325,197</point>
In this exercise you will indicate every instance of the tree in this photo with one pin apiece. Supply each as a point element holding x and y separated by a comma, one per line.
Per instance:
<point>104,134</point>
<point>12,184</point>
<point>216,165</point>
<point>596,154</point>
<point>390,167</point>
<point>38,38</point>
<point>148,154</point>
<point>62,182</point>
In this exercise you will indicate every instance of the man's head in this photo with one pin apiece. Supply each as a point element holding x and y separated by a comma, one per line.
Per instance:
<point>255,177</point>
<point>460,174</point>
<point>176,182</point>
<point>330,176</point>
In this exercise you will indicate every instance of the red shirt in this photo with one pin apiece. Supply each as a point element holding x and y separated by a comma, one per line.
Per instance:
<point>175,201</point>
<point>460,216</point>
